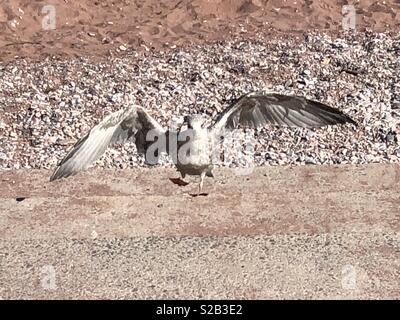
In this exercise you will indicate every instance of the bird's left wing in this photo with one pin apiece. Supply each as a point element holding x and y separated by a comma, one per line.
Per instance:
<point>132,123</point>
<point>256,110</point>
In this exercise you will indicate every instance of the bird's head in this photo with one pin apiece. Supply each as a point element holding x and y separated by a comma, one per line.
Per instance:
<point>195,121</point>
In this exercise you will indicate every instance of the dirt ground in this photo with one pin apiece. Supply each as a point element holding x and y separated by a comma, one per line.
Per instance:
<point>279,232</point>
<point>99,28</point>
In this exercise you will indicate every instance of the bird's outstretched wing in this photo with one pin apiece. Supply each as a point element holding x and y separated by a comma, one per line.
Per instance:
<point>132,123</point>
<point>256,110</point>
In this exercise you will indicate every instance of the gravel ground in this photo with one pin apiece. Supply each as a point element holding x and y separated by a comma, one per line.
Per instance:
<point>310,232</point>
<point>45,106</point>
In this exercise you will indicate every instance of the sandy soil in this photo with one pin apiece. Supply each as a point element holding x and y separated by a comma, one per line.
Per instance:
<point>303,232</point>
<point>97,28</point>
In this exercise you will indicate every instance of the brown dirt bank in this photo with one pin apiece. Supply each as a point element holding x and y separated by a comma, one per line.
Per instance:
<point>310,232</point>
<point>98,28</point>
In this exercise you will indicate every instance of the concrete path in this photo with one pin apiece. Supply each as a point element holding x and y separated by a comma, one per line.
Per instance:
<point>279,232</point>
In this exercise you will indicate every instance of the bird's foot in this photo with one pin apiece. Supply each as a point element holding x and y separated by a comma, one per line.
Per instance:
<point>178,181</point>
<point>202,194</point>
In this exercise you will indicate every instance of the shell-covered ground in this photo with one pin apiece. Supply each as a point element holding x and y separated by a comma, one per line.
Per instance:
<point>46,105</point>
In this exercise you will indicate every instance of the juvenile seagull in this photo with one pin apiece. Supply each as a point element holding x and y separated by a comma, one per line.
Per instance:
<point>193,154</point>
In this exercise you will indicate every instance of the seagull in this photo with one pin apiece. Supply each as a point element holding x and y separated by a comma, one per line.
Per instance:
<point>193,146</point>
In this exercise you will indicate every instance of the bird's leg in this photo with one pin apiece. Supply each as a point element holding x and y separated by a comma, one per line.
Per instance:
<point>203,174</point>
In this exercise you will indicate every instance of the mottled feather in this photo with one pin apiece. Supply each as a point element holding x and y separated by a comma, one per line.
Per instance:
<point>256,110</point>
<point>130,124</point>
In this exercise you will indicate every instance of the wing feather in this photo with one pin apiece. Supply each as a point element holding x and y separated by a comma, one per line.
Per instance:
<point>256,110</point>
<point>118,127</point>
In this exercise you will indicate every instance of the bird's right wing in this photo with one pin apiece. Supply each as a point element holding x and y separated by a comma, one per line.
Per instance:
<point>132,123</point>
